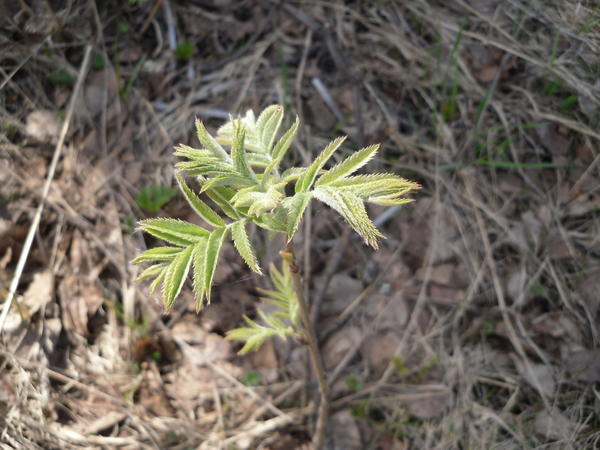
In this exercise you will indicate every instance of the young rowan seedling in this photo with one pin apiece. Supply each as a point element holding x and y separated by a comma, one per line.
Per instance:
<point>247,186</point>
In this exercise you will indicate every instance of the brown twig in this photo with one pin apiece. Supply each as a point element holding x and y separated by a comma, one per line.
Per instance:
<point>313,349</point>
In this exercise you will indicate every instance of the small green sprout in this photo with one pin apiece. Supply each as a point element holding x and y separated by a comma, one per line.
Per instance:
<point>153,198</point>
<point>185,50</point>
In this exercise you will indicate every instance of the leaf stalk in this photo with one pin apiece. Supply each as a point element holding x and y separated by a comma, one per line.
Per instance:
<point>313,348</point>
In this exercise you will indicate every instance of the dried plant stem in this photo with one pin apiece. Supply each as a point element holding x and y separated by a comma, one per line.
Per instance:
<point>313,349</point>
<point>38,213</point>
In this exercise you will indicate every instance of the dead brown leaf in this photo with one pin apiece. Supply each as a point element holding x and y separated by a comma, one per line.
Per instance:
<point>38,293</point>
<point>151,392</point>
<point>539,376</point>
<point>339,344</point>
<point>390,442</point>
<point>387,312</point>
<point>344,432</point>
<point>265,361</point>
<point>79,299</point>
<point>100,92</point>
<point>584,365</point>
<point>43,125</point>
<point>397,273</point>
<point>444,295</point>
<point>553,425</point>
<point>589,287</point>
<point>556,140</point>
<point>212,346</point>
<point>441,274</point>
<point>378,350</point>
<point>341,291</point>
<point>430,406</point>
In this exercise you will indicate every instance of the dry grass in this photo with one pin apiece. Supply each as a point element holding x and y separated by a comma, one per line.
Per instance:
<point>474,327</point>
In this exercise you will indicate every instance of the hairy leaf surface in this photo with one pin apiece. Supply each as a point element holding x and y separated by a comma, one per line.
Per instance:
<point>174,231</point>
<point>201,208</point>
<point>243,245</point>
<point>349,165</point>
<point>157,254</point>
<point>305,182</point>
<point>353,210</point>
<point>175,277</point>
<point>210,143</point>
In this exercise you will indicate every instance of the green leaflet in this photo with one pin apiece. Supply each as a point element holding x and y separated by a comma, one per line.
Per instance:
<point>159,279</point>
<point>257,199</point>
<point>157,254</point>
<point>258,159</point>
<point>225,133</point>
<point>271,222</point>
<point>349,165</point>
<point>210,143</point>
<point>151,271</point>
<point>267,124</point>
<point>213,248</point>
<point>389,200</point>
<point>226,180</point>
<point>208,167</point>
<point>280,149</point>
<point>374,185</point>
<point>175,277</point>
<point>284,294</point>
<point>201,208</point>
<point>186,151</point>
<point>173,231</point>
<point>199,269</point>
<point>293,173</point>
<point>353,210</point>
<point>305,182</point>
<point>221,197</point>
<point>253,336</point>
<point>296,207</point>
<point>238,154</point>
<point>243,245</point>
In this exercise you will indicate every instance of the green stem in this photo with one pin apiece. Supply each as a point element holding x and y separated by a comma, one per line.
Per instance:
<point>313,349</point>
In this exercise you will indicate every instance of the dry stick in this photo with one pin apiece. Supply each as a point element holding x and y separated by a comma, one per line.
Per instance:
<point>151,16</point>
<point>38,214</point>
<point>313,349</point>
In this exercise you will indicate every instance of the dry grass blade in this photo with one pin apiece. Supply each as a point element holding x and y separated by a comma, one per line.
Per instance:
<point>52,169</point>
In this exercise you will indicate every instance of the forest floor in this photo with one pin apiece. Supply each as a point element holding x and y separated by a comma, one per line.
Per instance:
<point>475,326</point>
